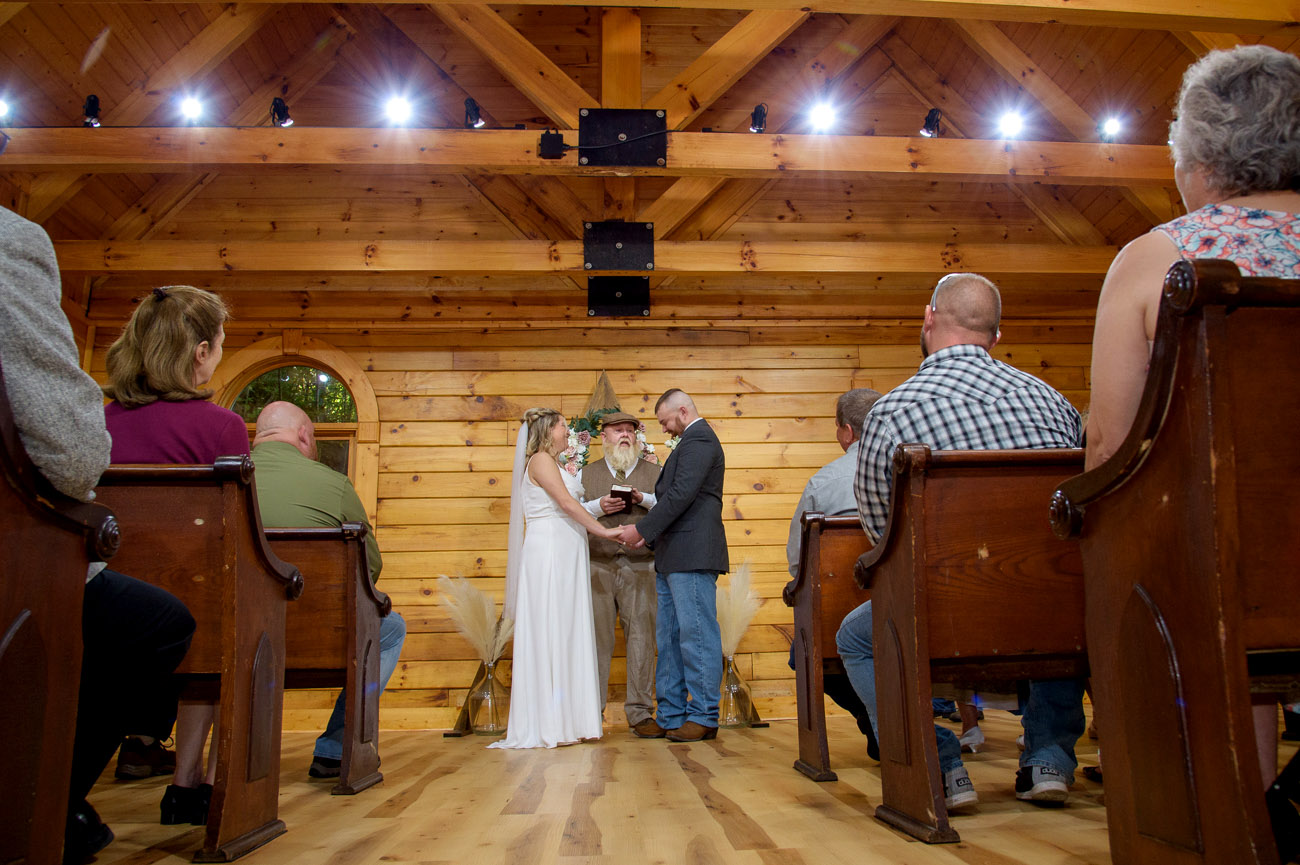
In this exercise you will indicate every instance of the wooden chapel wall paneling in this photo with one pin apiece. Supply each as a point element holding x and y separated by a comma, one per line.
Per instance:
<point>449,403</point>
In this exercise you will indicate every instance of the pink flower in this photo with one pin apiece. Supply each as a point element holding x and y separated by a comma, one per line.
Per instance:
<point>584,438</point>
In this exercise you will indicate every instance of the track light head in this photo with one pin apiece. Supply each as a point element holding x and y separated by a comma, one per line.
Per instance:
<point>280,113</point>
<point>90,111</point>
<point>931,127</point>
<point>758,120</point>
<point>473,114</point>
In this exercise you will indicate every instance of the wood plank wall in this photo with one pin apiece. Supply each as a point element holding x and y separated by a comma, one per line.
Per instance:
<point>450,396</point>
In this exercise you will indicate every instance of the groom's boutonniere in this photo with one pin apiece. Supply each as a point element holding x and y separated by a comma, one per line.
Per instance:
<point>671,444</point>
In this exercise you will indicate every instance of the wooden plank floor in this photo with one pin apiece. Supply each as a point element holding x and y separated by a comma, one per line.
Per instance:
<point>624,800</point>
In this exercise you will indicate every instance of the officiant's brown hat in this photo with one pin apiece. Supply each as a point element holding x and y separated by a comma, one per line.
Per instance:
<point>618,417</point>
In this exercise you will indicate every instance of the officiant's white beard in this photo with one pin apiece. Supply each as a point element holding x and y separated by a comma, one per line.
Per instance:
<point>622,457</point>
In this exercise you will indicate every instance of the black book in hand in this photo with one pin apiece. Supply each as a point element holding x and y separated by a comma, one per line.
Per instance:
<point>619,491</point>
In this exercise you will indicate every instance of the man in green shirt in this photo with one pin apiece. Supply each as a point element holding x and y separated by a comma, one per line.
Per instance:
<point>293,490</point>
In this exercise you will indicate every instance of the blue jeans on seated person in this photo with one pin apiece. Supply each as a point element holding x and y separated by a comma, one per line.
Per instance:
<point>690,649</point>
<point>854,642</point>
<point>1053,717</point>
<point>392,633</point>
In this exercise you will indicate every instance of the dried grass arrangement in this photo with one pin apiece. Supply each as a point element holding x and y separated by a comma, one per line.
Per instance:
<point>737,605</point>
<point>475,616</point>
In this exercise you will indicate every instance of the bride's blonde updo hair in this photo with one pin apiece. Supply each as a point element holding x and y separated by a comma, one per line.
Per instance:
<point>541,421</point>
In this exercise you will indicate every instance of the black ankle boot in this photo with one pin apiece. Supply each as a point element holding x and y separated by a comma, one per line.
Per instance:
<point>186,805</point>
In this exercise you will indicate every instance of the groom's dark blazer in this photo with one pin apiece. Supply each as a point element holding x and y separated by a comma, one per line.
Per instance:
<point>684,528</point>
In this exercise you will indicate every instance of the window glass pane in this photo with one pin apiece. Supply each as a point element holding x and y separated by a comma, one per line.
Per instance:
<point>323,397</point>
<point>334,453</point>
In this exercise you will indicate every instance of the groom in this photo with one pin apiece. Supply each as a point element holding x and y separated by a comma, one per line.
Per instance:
<point>685,531</point>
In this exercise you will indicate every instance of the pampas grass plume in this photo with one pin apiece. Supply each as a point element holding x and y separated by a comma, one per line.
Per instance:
<point>475,616</point>
<point>737,605</point>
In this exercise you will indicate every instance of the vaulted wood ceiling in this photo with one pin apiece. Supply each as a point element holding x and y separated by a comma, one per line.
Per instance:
<point>342,202</point>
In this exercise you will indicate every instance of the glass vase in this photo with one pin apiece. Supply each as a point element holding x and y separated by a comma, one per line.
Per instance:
<point>736,705</point>
<point>488,702</point>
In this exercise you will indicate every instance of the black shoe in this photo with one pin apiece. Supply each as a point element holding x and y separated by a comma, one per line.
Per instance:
<point>955,717</point>
<point>324,767</point>
<point>137,760</point>
<point>873,747</point>
<point>85,835</point>
<point>1292,721</point>
<point>186,805</point>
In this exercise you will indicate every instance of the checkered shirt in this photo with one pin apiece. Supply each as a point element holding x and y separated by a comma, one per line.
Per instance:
<point>960,399</point>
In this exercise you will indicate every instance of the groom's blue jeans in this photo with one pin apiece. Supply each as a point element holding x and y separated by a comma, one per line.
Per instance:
<point>690,648</point>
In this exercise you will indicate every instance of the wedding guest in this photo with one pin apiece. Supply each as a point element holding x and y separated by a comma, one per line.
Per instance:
<point>161,413</point>
<point>1236,147</point>
<point>133,634</point>
<point>622,578</point>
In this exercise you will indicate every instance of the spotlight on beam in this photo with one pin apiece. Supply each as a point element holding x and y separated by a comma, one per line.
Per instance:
<point>191,108</point>
<point>398,110</point>
<point>758,120</point>
<point>1011,124</point>
<point>280,113</point>
<point>90,111</point>
<point>473,114</point>
<point>4,109</point>
<point>822,116</point>
<point>931,127</point>
<point>1110,129</point>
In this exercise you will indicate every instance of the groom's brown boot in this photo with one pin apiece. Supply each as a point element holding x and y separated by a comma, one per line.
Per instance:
<point>692,732</point>
<point>647,729</point>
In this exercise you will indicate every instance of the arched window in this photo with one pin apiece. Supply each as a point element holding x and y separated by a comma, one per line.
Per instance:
<point>324,398</point>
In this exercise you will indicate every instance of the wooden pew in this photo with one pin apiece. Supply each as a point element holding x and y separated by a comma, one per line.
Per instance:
<point>1189,543</point>
<point>332,636</point>
<point>822,594</point>
<point>968,586</point>
<point>195,531</point>
<point>46,540</point>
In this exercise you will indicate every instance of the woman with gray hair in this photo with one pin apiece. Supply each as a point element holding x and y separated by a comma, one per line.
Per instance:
<point>1236,149</point>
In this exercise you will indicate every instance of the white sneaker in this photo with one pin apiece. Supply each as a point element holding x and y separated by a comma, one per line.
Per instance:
<point>958,791</point>
<point>972,739</point>
<point>1041,784</point>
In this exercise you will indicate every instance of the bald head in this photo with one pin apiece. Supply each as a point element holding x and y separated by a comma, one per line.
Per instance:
<point>675,411</point>
<point>966,309</point>
<point>285,422</point>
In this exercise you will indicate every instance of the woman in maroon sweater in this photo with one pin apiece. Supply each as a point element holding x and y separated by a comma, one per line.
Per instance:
<point>160,413</point>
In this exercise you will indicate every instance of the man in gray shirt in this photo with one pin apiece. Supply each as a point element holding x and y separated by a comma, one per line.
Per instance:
<point>830,491</point>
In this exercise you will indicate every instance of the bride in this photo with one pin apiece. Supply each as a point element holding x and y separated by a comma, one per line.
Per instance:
<point>554,696</point>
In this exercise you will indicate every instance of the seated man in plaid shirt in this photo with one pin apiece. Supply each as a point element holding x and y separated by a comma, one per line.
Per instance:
<point>963,399</point>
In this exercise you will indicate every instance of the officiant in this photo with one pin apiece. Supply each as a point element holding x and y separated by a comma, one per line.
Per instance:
<point>617,490</point>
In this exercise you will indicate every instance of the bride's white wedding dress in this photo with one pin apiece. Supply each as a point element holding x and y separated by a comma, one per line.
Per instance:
<point>554,697</point>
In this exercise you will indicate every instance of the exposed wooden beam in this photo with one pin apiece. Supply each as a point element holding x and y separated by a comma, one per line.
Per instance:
<point>175,150</point>
<point>9,10</point>
<point>566,257</point>
<point>205,52</point>
<point>620,87</point>
<point>522,63</point>
<point>169,196</point>
<point>49,192</point>
<point>1201,43</point>
<point>1154,202</point>
<point>1236,16</point>
<point>1058,214</point>
<point>723,63</point>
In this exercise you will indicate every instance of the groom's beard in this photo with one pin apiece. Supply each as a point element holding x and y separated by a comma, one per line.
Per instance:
<point>622,457</point>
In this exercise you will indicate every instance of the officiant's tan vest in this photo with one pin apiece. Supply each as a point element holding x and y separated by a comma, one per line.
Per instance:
<point>596,481</point>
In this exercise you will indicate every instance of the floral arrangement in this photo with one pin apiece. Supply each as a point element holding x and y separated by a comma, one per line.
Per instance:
<point>584,428</point>
<point>475,616</point>
<point>737,604</point>
<point>671,444</point>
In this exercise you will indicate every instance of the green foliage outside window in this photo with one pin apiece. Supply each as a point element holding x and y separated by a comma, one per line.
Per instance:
<point>323,397</point>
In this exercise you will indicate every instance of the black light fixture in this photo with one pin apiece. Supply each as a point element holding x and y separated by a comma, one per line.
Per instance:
<point>932,129</point>
<point>758,120</point>
<point>280,113</point>
<point>473,116</point>
<point>90,111</point>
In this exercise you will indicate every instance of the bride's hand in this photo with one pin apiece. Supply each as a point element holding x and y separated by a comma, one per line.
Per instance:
<point>613,534</point>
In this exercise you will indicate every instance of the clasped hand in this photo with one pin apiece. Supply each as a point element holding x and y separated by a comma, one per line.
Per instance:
<point>628,536</point>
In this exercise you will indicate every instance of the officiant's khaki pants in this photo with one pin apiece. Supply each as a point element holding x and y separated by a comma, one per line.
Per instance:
<point>625,589</point>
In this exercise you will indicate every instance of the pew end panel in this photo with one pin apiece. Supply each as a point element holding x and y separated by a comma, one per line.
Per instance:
<point>968,586</point>
<point>196,531</point>
<point>822,593</point>
<point>332,636</point>
<point>48,541</point>
<point>1187,537</point>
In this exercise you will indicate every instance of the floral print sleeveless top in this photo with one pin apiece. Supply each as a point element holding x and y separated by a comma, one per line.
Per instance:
<point>1259,242</point>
